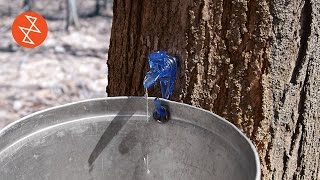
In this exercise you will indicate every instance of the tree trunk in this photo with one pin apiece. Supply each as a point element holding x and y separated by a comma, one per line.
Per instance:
<point>71,14</point>
<point>28,5</point>
<point>254,62</point>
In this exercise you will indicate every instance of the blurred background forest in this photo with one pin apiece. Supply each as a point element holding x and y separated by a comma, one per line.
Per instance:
<point>69,65</point>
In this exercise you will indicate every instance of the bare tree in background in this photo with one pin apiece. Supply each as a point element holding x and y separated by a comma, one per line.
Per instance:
<point>27,5</point>
<point>98,7</point>
<point>100,4</point>
<point>254,62</point>
<point>71,14</point>
<point>72,17</point>
<point>105,3</point>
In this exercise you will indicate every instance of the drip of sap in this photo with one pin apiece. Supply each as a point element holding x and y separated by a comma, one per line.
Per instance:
<point>146,159</point>
<point>146,162</point>
<point>146,96</point>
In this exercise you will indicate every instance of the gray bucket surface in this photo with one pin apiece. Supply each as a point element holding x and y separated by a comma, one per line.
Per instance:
<point>111,138</point>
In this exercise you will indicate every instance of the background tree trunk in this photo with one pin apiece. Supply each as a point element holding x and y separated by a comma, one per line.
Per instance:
<point>71,14</point>
<point>27,5</point>
<point>254,62</point>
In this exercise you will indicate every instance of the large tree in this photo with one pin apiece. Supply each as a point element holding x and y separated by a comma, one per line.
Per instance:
<point>254,62</point>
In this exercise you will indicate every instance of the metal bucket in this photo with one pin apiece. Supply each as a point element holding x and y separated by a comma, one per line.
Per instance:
<point>111,138</point>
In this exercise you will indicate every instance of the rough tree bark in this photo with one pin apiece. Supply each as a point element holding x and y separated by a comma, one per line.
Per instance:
<point>254,62</point>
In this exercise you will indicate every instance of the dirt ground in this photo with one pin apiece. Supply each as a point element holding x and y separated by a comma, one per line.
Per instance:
<point>67,67</point>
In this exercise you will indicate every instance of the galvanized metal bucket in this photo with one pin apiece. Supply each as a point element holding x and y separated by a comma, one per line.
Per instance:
<point>111,138</point>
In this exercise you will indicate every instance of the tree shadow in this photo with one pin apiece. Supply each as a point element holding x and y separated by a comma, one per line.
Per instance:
<point>121,118</point>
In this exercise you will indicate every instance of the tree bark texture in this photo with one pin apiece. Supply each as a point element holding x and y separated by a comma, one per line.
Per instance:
<point>254,62</point>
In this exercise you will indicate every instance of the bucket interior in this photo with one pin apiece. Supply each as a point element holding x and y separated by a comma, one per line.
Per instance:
<point>113,138</point>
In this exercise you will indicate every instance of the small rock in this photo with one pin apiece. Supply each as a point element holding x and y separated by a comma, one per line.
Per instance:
<point>17,105</point>
<point>59,49</point>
